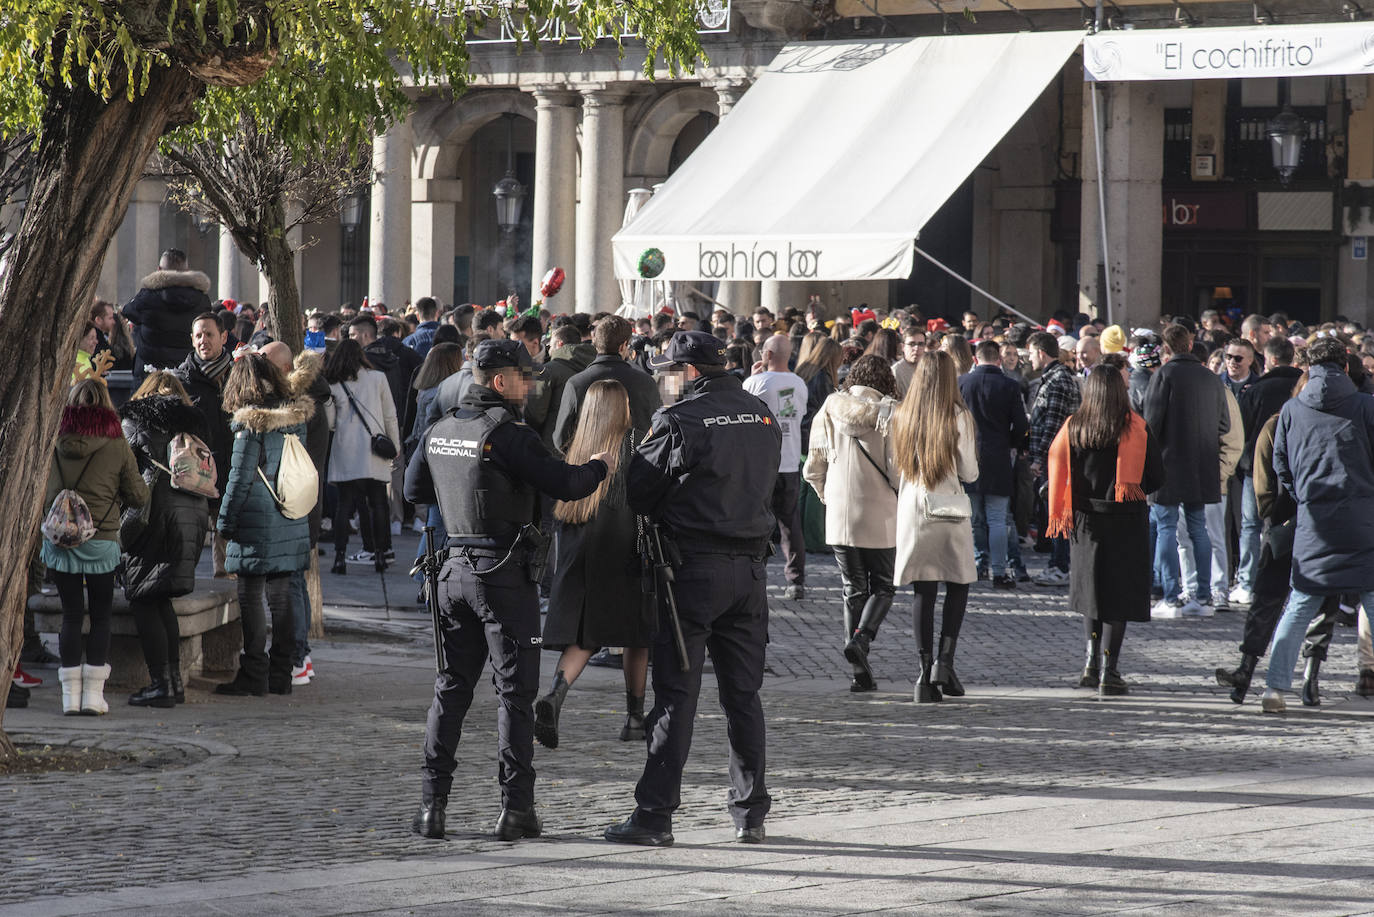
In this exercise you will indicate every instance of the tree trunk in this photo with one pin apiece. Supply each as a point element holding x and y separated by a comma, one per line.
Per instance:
<point>91,156</point>
<point>284,318</point>
<point>313,587</point>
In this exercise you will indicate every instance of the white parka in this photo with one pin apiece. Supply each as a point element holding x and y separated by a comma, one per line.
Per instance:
<point>849,465</point>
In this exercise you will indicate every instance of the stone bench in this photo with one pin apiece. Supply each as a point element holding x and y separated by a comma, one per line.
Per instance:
<point>208,620</point>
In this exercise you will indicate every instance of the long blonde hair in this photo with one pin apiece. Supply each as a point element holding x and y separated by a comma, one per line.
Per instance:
<point>161,382</point>
<point>603,421</point>
<point>925,429</point>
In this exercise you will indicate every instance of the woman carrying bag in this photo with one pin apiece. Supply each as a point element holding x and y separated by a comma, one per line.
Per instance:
<point>362,415</point>
<point>94,473</point>
<point>935,448</point>
<point>161,546</point>
<point>1102,463</point>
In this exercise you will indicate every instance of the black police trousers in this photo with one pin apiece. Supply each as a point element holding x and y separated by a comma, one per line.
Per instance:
<point>486,616</point>
<point>724,611</point>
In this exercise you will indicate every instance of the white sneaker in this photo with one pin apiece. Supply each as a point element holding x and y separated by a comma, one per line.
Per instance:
<point>418,526</point>
<point>1272,702</point>
<point>1167,609</point>
<point>1195,609</point>
<point>1241,596</point>
<point>1052,576</point>
<point>300,675</point>
<point>361,557</point>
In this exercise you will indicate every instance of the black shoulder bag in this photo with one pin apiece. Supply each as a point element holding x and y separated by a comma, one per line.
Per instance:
<point>382,446</point>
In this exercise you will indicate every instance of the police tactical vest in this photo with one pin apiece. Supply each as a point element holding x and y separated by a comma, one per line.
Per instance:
<point>481,504</point>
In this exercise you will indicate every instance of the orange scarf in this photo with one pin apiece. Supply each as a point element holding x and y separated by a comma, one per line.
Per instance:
<point>1130,466</point>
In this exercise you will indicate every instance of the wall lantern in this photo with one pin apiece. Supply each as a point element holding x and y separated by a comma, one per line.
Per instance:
<point>509,193</point>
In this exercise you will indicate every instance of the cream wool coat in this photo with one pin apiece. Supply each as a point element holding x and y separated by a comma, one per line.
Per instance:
<point>350,456</point>
<point>860,504</point>
<point>931,550</point>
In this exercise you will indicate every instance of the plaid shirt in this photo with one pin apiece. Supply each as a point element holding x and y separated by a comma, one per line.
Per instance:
<point>1057,398</point>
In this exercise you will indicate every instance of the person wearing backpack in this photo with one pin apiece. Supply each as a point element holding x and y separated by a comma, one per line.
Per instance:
<point>360,414</point>
<point>267,540</point>
<point>162,546</point>
<point>93,475</point>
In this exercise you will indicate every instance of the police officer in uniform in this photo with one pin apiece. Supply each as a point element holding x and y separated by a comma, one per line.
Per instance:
<point>485,468</point>
<point>705,473</point>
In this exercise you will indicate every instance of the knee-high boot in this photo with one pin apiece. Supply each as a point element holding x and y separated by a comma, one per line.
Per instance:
<point>856,650</point>
<point>546,711</point>
<point>1092,666</point>
<point>944,668</point>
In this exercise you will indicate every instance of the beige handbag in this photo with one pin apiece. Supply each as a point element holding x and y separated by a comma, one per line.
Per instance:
<point>947,507</point>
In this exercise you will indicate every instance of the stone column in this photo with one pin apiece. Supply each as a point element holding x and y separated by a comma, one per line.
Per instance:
<point>741,297</point>
<point>553,242</point>
<point>1132,118</point>
<point>388,270</point>
<point>603,197</point>
<point>146,210</point>
<point>238,276</point>
<point>107,287</point>
<point>434,221</point>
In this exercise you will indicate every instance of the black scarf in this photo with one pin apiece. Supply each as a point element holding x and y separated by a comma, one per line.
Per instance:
<point>215,368</point>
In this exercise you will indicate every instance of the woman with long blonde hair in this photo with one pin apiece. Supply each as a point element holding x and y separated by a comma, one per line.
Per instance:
<point>597,598</point>
<point>935,448</point>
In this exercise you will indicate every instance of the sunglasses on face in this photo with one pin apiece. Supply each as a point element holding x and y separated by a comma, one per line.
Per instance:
<point>1235,357</point>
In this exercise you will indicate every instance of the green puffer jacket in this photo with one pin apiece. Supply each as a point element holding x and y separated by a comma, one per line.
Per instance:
<point>93,458</point>
<point>262,540</point>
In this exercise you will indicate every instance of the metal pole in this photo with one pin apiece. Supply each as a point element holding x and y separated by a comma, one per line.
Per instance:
<point>971,285</point>
<point>1102,206</point>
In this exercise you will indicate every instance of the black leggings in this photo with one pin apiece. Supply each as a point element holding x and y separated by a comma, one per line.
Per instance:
<point>1112,632</point>
<point>956,602</point>
<point>368,497</point>
<point>99,590</point>
<point>157,631</point>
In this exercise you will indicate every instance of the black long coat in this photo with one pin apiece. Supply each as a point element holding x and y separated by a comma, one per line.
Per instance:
<point>160,558</point>
<point>1109,551</point>
<point>1186,408</point>
<point>597,597</point>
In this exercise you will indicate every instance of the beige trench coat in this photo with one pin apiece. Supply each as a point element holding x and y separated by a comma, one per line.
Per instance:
<point>938,551</point>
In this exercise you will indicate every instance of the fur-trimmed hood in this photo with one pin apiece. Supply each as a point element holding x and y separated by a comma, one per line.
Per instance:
<point>90,420</point>
<point>162,280</point>
<point>302,378</point>
<point>165,413</point>
<point>860,410</point>
<point>265,419</point>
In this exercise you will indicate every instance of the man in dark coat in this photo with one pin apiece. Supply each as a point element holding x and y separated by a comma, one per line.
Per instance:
<point>611,338</point>
<point>1324,458</point>
<point>203,374</point>
<point>994,399</point>
<point>1186,409</point>
<point>541,412</point>
<point>162,312</point>
<point>1262,400</point>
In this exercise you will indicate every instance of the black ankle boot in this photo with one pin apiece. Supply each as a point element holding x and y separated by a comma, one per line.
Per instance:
<point>944,669</point>
<point>1113,685</point>
<point>1311,695</point>
<point>340,565</point>
<point>174,677</point>
<point>633,730</point>
<point>856,652</point>
<point>157,694</point>
<point>429,821</point>
<point>1092,666</point>
<point>926,692</point>
<point>1240,678</point>
<point>546,711</point>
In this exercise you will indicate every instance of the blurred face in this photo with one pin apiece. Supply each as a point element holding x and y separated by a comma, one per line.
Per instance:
<point>207,339</point>
<point>913,345</point>
<point>1238,361</point>
<point>512,385</point>
<point>105,321</point>
<point>88,341</point>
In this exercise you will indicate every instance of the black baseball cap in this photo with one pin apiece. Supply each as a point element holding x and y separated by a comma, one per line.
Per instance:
<point>691,347</point>
<point>492,355</point>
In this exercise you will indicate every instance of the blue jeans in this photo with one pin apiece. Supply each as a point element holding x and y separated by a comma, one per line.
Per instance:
<point>1014,547</point>
<point>1250,526</point>
<point>990,516</point>
<point>1166,546</point>
<point>1297,614</point>
<point>300,617</point>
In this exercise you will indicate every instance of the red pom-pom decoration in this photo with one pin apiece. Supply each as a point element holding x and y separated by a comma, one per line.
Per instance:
<point>553,282</point>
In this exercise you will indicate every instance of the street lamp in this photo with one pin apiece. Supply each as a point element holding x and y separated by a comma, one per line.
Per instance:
<point>509,193</point>
<point>1286,133</point>
<point>351,210</point>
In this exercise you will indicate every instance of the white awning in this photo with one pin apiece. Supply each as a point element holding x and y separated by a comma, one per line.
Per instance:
<point>828,167</point>
<point>1312,49</point>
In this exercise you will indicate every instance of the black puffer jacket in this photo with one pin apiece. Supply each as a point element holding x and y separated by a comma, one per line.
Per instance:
<point>161,313</point>
<point>160,558</point>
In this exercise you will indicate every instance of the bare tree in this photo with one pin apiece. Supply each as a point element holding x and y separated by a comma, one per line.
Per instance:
<point>16,184</point>
<point>258,190</point>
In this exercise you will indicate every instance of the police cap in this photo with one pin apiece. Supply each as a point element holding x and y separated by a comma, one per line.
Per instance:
<point>695,347</point>
<point>493,355</point>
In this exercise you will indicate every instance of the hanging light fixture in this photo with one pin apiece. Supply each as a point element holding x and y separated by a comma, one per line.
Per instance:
<point>351,210</point>
<point>1286,132</point>
<point>509,193</point>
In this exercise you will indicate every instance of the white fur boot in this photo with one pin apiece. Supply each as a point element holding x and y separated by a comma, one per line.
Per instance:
<point>93,689</point>
<point>71,690</point>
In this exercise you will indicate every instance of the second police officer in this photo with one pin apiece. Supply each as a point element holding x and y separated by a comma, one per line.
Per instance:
<point>705,473</point>
<point>485,469</point>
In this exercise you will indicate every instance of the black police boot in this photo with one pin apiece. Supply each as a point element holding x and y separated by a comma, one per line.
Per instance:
<point>1240,684</point>
<point>514,824</point>
<point>174,679</point>
<point>926,693</point>
<point>340,567</point>
<point>944,669</point>
<point>1311,696</point>
<point>1113,685</point>
<point>1092,666</point>
<point>546,711</point>
<point>157,694</point>
<point>627,832</point>
<point>18,698</point>
<point>1226,678</point>
<point>429,821</point>
<point>633,730</point>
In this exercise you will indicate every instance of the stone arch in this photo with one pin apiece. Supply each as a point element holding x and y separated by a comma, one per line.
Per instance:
<point>652,139</point>
<point>443,127</point>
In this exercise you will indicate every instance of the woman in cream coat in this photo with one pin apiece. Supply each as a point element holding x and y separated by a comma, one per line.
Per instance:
<point>935,447</point>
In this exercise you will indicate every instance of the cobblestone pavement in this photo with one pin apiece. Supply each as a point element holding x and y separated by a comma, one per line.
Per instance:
<point>247,795</point>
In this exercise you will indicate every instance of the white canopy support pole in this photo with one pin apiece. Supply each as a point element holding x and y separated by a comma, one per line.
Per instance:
<point>972,286</point>
<point>1102,205</point>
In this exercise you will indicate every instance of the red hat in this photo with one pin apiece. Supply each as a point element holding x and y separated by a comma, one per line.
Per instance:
<point>862,315</point>
<point>937,324</point>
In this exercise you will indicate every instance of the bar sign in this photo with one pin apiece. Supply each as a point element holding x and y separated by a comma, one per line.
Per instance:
<point>1359,248</point>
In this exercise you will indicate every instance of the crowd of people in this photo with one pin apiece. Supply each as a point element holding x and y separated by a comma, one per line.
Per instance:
<point>1166,472</point>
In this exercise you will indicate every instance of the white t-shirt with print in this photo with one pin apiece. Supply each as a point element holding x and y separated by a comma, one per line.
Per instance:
<point>785,395</point>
